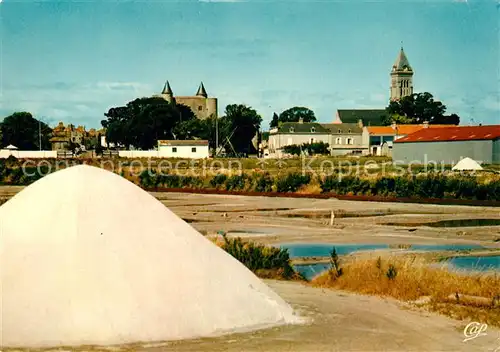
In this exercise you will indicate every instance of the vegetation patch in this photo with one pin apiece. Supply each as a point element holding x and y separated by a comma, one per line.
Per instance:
<point>265,261</point>
<point>456,294</point>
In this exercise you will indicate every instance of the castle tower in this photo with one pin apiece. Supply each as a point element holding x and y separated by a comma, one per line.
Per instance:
<point>201,91</point>
<point>201,105</point>
<point>167,93</point>
<point>401,77</point>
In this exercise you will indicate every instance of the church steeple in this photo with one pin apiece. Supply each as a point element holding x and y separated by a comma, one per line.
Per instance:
<point>401,77</point>
<point>201,91</point>
<point>401,63</point>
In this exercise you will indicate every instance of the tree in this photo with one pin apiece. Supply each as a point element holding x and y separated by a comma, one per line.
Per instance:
<point>143,121</point>
<point>240,124</point>
<point>417,108</point>
<point>22,130</point>
<point>275,120</point>
<point>294,115</point>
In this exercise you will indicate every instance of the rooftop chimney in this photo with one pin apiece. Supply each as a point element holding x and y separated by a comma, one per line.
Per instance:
<point>360,123</point>
<point>426,124</point>
<point>301,120</point>
<point>393,125</point>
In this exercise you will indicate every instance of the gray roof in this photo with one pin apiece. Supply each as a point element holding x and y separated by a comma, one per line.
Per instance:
<point>370,117</point>
<point>402,62</point>
<point>304,127</point>
<point>167,89</point>
<point>201,91</point>
<point>343,128</point>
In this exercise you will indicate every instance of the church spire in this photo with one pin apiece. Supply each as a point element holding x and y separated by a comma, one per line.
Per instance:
<point>401,63</point>
<point>167,89</point>
<point>201,91</point>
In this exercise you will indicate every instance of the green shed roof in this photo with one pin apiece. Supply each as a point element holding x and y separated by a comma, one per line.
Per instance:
<point>343,128</point>
<point>301,127</point>
<point>370,117</point>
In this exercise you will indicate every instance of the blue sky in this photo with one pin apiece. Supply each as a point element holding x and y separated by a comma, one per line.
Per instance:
<point>72,61</point>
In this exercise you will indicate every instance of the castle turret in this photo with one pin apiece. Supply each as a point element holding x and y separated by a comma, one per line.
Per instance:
<point>167,93</point>
<point>201,91</point>
<point>401,77</point>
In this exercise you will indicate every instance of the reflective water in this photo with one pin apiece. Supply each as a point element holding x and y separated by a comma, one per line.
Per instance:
<point>323,250</point>
<point>476,263</point>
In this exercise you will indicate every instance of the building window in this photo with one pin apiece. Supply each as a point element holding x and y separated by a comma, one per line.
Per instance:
<point>313,129</point>
<point>174,149</point>
<point>338,140</point>
<point>349,131</point>
<point>348,141</point>
<point>340,131</point>
<point>200,108</point>
<point>292,129</point>
<point>312,140</point>
<point>193,150</point>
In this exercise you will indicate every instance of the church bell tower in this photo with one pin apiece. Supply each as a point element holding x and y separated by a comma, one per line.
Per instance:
<point>401,77</point>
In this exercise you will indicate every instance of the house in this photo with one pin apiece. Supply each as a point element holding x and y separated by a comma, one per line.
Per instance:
<point>296,133</point>
<point>190,149</point>
<point>346,138</point>
<point>381,138</point>
<point>68,137</point>
<point>448,145</point>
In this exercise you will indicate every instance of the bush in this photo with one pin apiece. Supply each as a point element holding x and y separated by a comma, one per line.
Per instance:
<point>218,180</point>
<point>264,183</point>
<point>236,182</point>
<point>257,257</point>
<point>292,182</point>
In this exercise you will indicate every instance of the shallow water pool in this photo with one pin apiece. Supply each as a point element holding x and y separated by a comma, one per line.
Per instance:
<point>323,250</point>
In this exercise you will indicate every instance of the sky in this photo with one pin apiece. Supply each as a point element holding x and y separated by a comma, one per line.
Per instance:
<point>72,61</point>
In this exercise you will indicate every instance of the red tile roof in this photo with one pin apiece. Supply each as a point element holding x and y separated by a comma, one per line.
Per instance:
<point>401,129</point>
<point>456,133</point>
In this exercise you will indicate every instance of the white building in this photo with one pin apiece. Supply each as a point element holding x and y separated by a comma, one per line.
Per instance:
<point>192,149</point>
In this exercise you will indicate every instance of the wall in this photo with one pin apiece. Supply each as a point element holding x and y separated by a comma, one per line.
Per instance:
<point>166,152</point>
<point>496,152</point>
<point>208,105</point>
<point>28,154</point>
<point>343,147</point>
<point>185,151</point>
<point>447,152</point>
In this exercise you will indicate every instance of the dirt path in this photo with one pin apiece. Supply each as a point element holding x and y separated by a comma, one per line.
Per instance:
<point>348,322</point>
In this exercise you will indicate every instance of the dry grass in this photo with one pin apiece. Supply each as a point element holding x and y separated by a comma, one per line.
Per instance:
<point>414,278</point>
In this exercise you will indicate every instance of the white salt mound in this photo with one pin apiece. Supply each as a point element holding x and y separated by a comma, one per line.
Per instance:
<point>88,257</point>
<point>467,164</point>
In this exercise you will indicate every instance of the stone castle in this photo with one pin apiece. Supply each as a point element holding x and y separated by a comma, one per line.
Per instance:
<point>202,106</point>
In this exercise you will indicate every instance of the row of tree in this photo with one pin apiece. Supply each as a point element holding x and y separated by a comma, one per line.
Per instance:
<point>24,132</point>
<point>412,109</point>
<point>144,121</point>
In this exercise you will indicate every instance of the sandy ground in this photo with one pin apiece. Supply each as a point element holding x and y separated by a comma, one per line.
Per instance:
<point>348,322</point>
<point>340,321</point>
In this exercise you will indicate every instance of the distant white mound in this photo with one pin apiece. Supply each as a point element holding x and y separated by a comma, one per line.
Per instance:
<point>467,164</point>
<point>88,257</point>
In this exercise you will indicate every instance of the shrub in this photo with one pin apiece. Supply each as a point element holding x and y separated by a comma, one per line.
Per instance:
<point>335,269</point>
<point>264,183</point>
<point>392,272</point>
<point>218,180</point>
<point>236,182</point>
<point>292,182</point>
<point>257,257</point>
